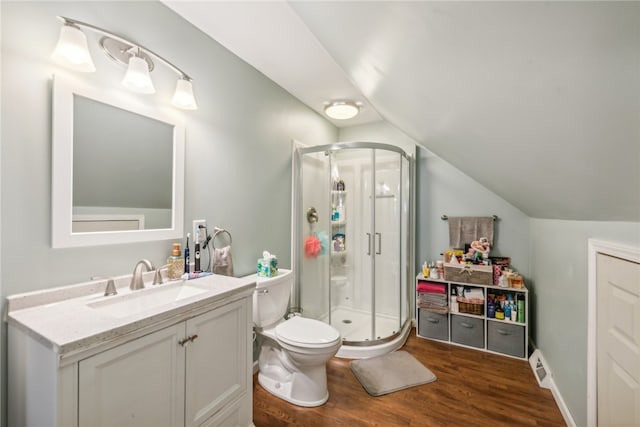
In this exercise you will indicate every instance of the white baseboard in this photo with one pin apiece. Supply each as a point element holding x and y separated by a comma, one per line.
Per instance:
<point>562,406</point>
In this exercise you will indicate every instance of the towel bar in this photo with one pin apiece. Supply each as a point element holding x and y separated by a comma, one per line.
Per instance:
<point>445,217</point>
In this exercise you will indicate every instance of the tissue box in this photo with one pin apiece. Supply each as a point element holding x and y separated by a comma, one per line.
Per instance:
<point>267,267</point>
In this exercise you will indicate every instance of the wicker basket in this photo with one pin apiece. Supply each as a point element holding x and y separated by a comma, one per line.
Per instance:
<point>470,306</point>
<point>465,273</point>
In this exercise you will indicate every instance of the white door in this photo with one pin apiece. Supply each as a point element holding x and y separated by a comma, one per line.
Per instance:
<point>218,363</point>
<point>618,342</point>
<point>137,384</point>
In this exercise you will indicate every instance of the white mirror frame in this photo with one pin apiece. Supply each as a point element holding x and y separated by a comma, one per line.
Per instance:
<point>62,170</point>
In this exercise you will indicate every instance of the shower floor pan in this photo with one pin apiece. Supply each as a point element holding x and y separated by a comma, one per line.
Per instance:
<point>355,328</point>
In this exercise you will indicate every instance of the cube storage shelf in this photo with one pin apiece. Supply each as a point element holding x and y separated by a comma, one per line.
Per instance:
<point>477,331</point>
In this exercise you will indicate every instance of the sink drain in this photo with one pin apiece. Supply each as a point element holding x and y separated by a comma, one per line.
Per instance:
<point>347,321</point>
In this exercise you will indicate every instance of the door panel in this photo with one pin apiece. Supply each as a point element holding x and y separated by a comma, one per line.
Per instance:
<point>618,341</point>
<point>387,243</point>
<point>217,362</point>
<point>137,384</point>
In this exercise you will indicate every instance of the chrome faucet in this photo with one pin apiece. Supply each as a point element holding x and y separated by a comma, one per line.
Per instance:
<point>137,282</point>
<point>110,289</point>
<point>157,278</point>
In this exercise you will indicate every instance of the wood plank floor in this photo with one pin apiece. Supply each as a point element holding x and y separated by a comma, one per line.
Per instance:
<point>473,389</point>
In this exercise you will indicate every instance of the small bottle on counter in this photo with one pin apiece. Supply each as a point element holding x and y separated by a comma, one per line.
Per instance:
<point>491,309</point>
<point>175,263</point>
<point>425,270</point>
<point>433,271</point>
<point>520,303</point>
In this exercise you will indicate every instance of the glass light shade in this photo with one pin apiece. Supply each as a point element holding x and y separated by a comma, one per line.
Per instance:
<point>342,110</point>
<point>183,96</point>
<point>72,50</point>
<point>137,77</point>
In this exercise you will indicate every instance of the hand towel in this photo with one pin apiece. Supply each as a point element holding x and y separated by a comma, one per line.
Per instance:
<point>221,262</point>
<point>466,229</point>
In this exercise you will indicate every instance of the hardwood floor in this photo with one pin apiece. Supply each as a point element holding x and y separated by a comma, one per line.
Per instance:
<point>473,389</point>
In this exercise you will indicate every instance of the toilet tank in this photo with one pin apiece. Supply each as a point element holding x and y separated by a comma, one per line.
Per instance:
<point>271,298</point>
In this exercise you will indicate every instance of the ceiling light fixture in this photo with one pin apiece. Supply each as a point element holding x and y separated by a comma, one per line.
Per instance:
<point>72,51</point>
<point>342,110</point>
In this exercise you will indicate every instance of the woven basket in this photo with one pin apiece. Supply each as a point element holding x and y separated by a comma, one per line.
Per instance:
<point>470,306</point>
<point>465,273</point>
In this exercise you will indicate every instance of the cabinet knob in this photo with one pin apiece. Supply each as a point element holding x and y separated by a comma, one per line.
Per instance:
<point>184,341</point>
<point>193,337</point>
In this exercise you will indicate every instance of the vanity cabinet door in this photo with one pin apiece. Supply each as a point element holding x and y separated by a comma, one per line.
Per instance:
<point>140,383</point>
<point>218,373</point>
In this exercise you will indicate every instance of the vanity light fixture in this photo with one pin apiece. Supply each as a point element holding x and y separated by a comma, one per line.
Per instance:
<point>137,77</point>
<point>72,49</point>
<point>342,110</point>
<point>183,96</point>
<point>73,52</point>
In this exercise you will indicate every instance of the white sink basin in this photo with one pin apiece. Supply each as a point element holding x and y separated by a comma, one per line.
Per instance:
<point>146,299</point>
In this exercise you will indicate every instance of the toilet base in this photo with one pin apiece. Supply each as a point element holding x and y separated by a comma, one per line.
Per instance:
<point>283,391</point>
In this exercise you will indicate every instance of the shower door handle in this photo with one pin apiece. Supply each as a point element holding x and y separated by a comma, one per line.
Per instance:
<point>379,251</point>
<point>368,243</point>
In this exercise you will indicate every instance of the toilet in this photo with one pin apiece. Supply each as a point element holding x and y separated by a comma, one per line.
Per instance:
<point>295,352</point>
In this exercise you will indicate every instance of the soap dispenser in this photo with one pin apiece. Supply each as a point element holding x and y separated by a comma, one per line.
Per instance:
<point>175,263</point>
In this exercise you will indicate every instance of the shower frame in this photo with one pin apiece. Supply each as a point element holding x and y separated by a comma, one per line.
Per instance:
<point>299,221</point>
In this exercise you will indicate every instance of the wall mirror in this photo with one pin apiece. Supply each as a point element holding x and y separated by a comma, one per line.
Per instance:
<point>117,169</point>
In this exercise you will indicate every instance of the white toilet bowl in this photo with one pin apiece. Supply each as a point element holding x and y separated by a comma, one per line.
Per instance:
<point>295,352</point>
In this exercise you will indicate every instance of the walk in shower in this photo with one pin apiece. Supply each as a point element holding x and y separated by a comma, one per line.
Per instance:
<point>352,242</point>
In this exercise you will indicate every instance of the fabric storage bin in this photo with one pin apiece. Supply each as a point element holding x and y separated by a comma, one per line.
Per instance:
<point>433,325</point>
<point>467,330</point>
<point>465,273</point>
<point>506,338</point>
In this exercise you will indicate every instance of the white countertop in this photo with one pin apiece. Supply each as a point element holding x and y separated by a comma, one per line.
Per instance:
<point>63,319</point>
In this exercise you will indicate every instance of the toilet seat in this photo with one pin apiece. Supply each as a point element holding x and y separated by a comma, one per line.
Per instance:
<point>310,333</point>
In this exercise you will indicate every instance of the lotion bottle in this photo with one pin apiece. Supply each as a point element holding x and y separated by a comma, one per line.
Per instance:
<point>175,263</point>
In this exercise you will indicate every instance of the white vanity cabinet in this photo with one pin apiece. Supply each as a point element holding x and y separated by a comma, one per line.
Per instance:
<point>156,381</point>
<point>135,384</point>
<point>192,369</point>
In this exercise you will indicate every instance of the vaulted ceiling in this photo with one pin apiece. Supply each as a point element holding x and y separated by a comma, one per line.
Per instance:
<point>537,101</point>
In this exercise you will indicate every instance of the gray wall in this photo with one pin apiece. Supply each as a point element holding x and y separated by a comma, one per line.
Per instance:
<point>442,189</point>
<point>238,144</point>
<point>559,306</point>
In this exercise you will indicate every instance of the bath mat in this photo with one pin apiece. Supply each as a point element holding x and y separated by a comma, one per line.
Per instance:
<point>391,372</point>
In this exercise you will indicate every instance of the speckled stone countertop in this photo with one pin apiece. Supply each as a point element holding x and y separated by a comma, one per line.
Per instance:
<point>72,318</point>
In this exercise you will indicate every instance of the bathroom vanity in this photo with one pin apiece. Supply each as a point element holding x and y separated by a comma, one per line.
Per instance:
<point>175,354</point>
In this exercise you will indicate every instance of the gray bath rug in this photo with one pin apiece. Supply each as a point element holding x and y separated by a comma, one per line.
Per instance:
<point>391,372</point>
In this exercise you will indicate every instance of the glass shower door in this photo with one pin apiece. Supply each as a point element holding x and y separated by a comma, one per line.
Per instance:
<point>349,272</point>
<point>387,196</point>
<point>361,283</point>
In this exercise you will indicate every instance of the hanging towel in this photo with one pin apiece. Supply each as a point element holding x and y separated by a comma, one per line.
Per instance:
<point>222,262</point>
<point>466,229</point>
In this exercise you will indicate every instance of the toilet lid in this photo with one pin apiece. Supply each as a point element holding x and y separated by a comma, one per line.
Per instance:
<point>299,330</point>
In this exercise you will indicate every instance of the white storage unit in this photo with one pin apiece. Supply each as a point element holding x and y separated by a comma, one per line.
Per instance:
<point>475,330</point>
